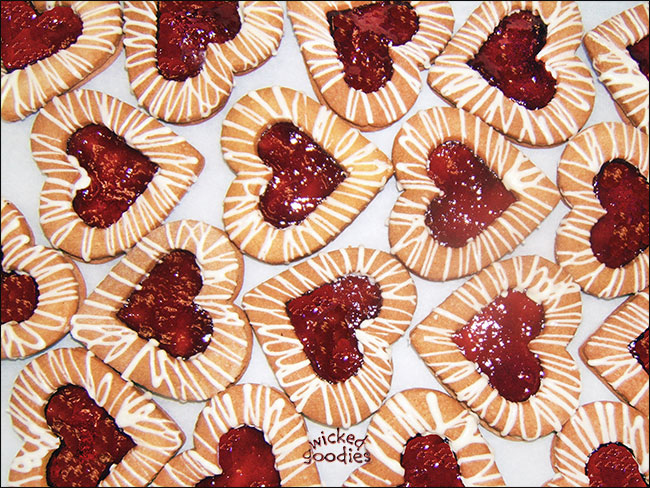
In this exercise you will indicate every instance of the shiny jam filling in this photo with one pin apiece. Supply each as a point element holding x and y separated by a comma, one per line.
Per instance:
<point>472,197</point>
<point>303,174</point>
<point>162,307</point>
<point>117,174</point>
<point>639,348</point>
<point>429,461</point>
<point>497,338</point>
<point>613,464</point>
<point>639,52</point>
<point>621,234</point>
<point>362,36</point>
<point>325,319</point>
<point>507,60</point>
<point>19,296</point>
<point>91,442</point>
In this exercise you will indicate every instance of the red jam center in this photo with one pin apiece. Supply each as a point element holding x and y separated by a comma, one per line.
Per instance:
<point>497,338</point>
<point>362,36</point>
<point>325,320</point>
<point>19,296</point>
<point>163,307</point>
<point>622,233</point>
<point>639,348</point>
<point>429,461</point>
<point>303,174</point>
<point>507,60</point>
<point>118,175</point>
<point>246,460</point>
<point>184,31</point>
<point>28,37</point>
<point>91,442</point>
<point>613,464</point>
<point>639,52</point>
<point>472,197</point>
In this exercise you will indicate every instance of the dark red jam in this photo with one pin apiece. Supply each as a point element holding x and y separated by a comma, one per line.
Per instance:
<point>91,442</point>
<point>325,320</point>
<point>497,338</point>
<point>622,233</point>
<point>28,37</point>
<point>184,31</point>
<point>246,460</point>
<point>507,60</point>
<point>613,464</point>
<point>163,307</point>
<point>362,36</point>
<point>19,296</point>
<point>472,197</point>
<point>429,461</point>
<point>118,175</point>
<point>303,174</point>
<point>639,348</point>
<point>639,53</point>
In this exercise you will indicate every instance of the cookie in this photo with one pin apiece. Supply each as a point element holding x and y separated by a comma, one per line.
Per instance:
<point>289,199</point>
<point>41,289</point>
<point>470,196</point>
<point>186,273</point>
<point>192,85</point>
<point>603,240</point>
<point>90,207</point>
<point>373,80</point>
<point>326,326</point>
<point>538,96</point>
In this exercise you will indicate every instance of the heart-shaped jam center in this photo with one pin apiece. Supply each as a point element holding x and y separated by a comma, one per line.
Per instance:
<point>162,307</point>
<point>362,36</point>
<point>19,296</point>
<point>246,460</point>
<point>28,37</point>
<point>622,233</point>
<point>303,174</point>
<point>91,442</point>
<point>497,338</point>
<point>429,461</point>
<point>613,464</point>
<point>184,31</point>
<point>507,60</point>
<point>325,320</point>
<point>639,51</point>
<point>117,173</point>
<point>639,348</point>
<point>472,197</point>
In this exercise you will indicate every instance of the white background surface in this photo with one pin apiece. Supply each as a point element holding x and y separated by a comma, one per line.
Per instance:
<point>521,463</point>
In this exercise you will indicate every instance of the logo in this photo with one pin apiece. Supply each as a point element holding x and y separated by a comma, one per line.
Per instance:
<point>337,446</point>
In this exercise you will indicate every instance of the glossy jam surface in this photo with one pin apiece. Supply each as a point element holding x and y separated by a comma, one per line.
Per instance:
<point>639,348</point>
<point>91,442</point>
<point>246,460</point>
<point>639,52</point>
<point>613,464</point>
<point>19,296</point>
<point>472,197</point>
<point>429,461</point>
<point>118,174</point>
<point>184,31</point>
<point>163,307</point>
<point>621,234</point>
<point>362,36</point>
<point>497,338</point>
<point>304,174</point>
<point>28,37</point>
<point>325,320</point>
<point>507,60</point>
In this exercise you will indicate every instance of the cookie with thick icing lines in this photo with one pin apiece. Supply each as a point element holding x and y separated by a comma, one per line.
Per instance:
<point>259,434</point>
<point>326,326</point>
<point>470,196</point>
<point>186,273</point>
<point>302,174</point>
<point>513,64</point>
<point>41,289</point>
<point>365,72</point>
<point>112,173</point>
<point>498,345</point>
<point>603,240</point>
<point>81,39</point>
<point>132,436</point>
<point>219,41</point>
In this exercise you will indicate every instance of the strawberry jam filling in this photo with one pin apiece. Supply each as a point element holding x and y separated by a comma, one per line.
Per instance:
<point>303,174</point>
<point>639,52</point>
<point>118,175</point>
<point>246,460</point>
<point>28,37</point>
<point>621,234</point>
<point>507,60</point>
<point>19,296</point>
<point>613,464</point>
<point>497,338</point>
<point>91,442</point>
<point>362,36</point>
<point>163,308</point>
<point>472,197</point>
<point>325,319</point>
<point>429,461</point>
<point>639,348</point>
<point>184,31</point>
